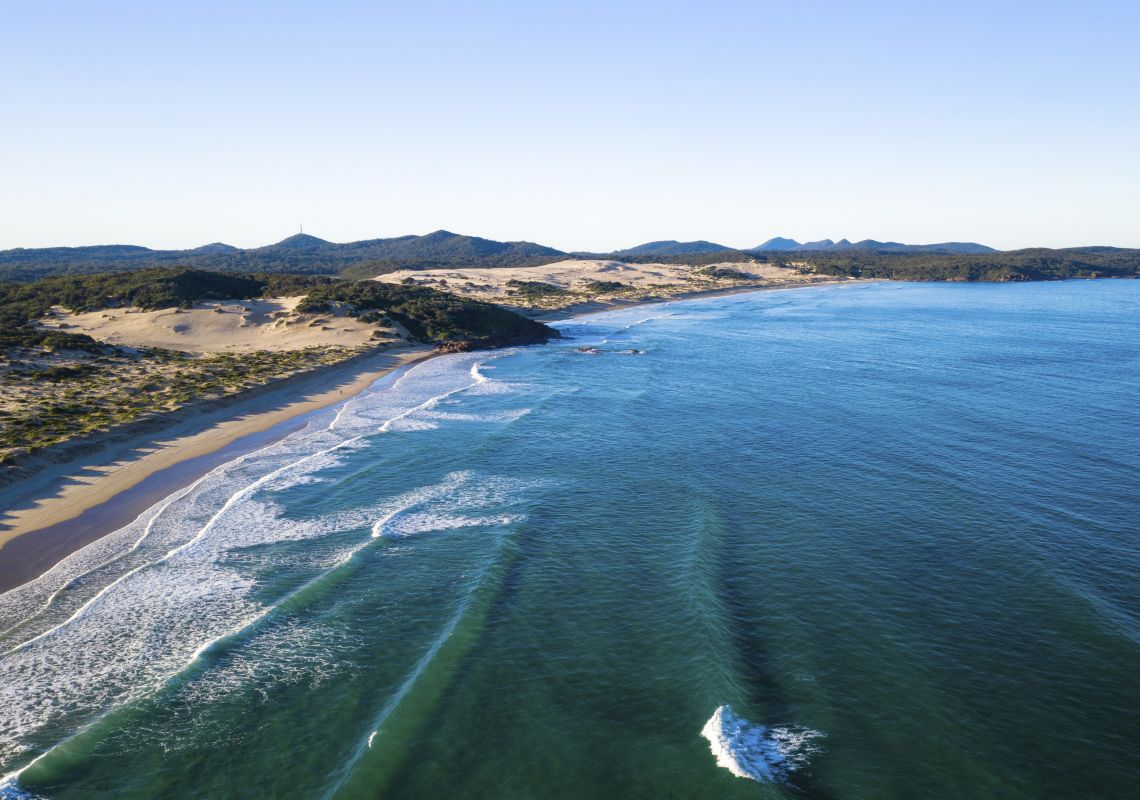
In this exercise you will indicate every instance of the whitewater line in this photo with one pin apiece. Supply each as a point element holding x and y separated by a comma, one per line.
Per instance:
<point>233,499</point>
<point>242,494</point>
<point>341,410</point>
<point>606,337</point>
<point>647,319</point>
<point>138,543</point>
<point>146,532</point>
<point>432,401</point>
<point>10,780</point>
<point>170,500</point>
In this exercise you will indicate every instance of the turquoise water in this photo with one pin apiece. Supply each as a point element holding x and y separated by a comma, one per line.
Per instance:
<point>875,541</point>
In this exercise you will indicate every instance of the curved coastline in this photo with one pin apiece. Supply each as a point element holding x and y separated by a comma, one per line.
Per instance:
<point>292,591</point>
<point>70,503</point>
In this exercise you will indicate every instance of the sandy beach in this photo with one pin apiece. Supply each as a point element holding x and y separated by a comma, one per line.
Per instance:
<point>38,512</point>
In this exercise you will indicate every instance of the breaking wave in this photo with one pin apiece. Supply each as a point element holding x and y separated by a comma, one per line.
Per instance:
<point>113,622</point>
<point>760,753</point>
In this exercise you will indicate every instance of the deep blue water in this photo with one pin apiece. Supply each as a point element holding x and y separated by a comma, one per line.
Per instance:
<point>870,541</point>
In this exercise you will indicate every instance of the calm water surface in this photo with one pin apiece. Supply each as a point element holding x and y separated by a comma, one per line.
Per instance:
<point>875,541</point>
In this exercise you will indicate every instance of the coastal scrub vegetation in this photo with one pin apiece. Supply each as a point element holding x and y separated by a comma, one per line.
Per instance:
<point>604,287</point>
<point>430,315</point>
<point>57,385</point>
<point>533,290</point>
<point>52,397</point>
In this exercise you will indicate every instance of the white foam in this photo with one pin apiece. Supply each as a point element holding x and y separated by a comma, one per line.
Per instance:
<point>753,751</point>
<point>492,417</point>
<point>441,507</point>
<point>115,620</point>
<point>402,525</point>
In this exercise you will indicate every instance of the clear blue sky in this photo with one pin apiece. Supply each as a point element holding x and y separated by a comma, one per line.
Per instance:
<point>580,125</point>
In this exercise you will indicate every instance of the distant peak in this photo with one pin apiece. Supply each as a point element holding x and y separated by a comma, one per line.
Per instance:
<point>300,241</point>
<point>671,247</point>
<point>215,247</point>
<point>779,243</point>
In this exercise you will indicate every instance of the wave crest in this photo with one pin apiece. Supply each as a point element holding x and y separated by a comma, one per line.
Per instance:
<point>749,750</point>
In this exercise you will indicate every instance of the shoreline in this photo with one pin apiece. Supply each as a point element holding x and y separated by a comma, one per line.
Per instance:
<point>93,488</point>
<point>80,493</point>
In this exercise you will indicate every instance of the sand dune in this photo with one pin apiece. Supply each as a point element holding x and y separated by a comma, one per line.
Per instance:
<point>234,326</point>
<point>577,276</point>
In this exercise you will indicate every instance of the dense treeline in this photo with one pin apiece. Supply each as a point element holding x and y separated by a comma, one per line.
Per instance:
<point>428,314</point>
<point>1035,264</point>
<point>1015,265</point>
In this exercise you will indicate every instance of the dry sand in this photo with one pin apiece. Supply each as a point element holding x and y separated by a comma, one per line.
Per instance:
<point>574,275</point>
<point>230,326</point>
<point>564,274</point>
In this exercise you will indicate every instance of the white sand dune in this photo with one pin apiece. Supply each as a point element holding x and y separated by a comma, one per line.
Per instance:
<point>575,275</point>
<point>232,326</point>
<point>564,274</point>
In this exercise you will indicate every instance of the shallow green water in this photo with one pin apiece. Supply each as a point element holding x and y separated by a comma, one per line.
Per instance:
<point>894,528</point>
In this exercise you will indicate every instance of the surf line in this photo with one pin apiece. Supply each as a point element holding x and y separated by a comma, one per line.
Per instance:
<point>138,542</point>
<point>231,501</point>
<point>178,495</point>
<point>403,373</point>
<point>10,780</point>
<point>433,401</point>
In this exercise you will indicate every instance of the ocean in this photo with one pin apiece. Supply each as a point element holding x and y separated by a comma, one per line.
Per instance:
<point>864,541</point>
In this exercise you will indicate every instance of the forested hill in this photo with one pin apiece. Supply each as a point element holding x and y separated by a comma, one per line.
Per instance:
<point>300,254</point>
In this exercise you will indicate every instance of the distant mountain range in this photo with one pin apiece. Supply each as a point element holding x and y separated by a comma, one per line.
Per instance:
<point>310,255</point>
<point>301,253</point>
<point>780,244</point>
